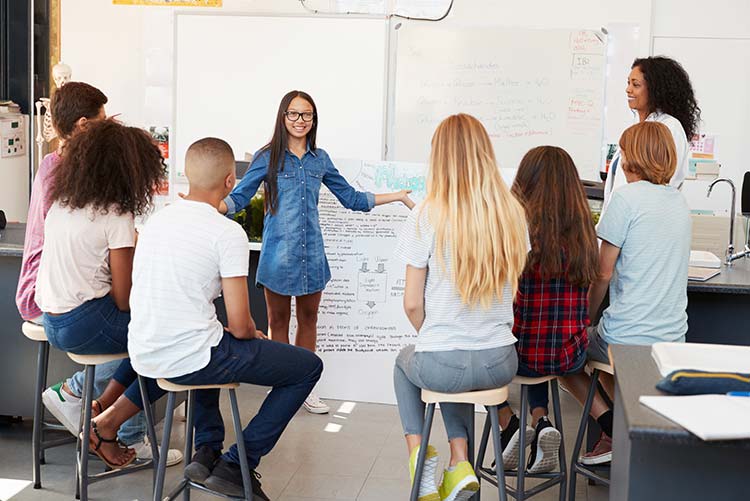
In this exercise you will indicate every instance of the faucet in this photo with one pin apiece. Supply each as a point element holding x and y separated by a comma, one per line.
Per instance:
<point>730,255</point>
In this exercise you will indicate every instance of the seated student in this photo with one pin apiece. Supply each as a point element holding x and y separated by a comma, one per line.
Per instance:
<point>73,107</point>
<point>188,253</point>
<point>643,259</point>
<point>465,247</point>
<point>551,307</point>
<point>106,177</point>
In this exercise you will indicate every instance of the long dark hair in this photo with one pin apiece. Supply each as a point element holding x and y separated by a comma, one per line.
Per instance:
<point>278,144</point>
<point>109,166</point>
<point>563,240</point>
<point>670,91</point>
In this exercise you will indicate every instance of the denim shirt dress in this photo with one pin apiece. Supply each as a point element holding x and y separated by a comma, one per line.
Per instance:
<point>292,259</point>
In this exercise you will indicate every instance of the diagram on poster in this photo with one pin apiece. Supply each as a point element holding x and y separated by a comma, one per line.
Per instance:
<point>361,322</point>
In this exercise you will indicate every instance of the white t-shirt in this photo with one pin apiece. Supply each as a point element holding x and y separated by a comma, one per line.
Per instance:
<point>449,324</point>
<point>183,252</point>
<point>75,262</point>
<point>617,179</point>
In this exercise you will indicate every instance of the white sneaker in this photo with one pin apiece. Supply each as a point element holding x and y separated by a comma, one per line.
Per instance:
<point>65,407</point>
<point>315,405</point>
<point>143,451</point>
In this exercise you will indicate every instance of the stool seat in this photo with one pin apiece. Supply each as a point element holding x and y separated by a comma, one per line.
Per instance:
<point>96,359</point>
<point>592,364</point>
<point>532,380</point>
<point>169,386</point>
<point>33,331</point>
<point>481,397</point>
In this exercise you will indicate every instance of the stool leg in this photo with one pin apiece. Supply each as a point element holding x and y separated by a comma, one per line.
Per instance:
<point>36,442</point>
<point>483,442</point>
<point>470,433</point>
<point>148,413</point>
<point>189,428</point>
<point>579,438</point>
<point>88,393</point>
<point>494,419</point>
<point>162,468</point>
<point>42,459</point>
<point>419,467</point>
<point>240,444</point>
<point>521,478</point>
<point>557,410</point>
<point>479,463</point>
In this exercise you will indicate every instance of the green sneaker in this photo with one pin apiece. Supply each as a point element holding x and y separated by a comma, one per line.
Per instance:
<point>459,484</point>
<point>427,490</point>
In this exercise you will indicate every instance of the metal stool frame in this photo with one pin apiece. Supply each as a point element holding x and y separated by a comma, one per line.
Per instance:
<point>554,478</point>
<point>38,444</point>
<point>83,479</point>
<point>492,411</point>
<point>576,467</point>
<point>185,485</point>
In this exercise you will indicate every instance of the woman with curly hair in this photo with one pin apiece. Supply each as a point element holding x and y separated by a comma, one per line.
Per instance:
<point>659,90</point>
<point>106,177</point>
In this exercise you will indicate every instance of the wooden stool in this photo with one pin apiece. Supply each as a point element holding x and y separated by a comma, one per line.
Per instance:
<point>491,399</point>
<point>36,333</point>
<point>554,478</point>
<point>83,479</point>
<point>576,467</point>
<point>185,484</point>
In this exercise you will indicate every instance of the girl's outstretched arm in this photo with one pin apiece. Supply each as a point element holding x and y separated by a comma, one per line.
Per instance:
<point>396,196</point>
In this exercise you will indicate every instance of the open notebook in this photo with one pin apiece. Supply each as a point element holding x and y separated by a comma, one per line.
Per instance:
<point>701,357</point>
<point>709,417</point>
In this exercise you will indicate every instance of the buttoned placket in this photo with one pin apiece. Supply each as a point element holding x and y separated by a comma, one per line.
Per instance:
<point>304,226</point>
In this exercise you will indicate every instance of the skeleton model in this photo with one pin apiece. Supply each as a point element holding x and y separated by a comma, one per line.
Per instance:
<point>61,74</point>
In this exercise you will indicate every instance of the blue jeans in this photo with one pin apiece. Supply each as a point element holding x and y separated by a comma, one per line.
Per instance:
<point>292,372</point>
<point>98,327</point>
<point>539,393</point>
<point>448,372</point>
<point>131,431</point>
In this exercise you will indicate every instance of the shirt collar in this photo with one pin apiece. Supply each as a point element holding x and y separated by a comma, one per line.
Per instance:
<point>308,150</point>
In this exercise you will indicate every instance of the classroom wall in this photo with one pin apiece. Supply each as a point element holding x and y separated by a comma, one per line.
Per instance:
<point>123,51</point>
<point>128,50</point>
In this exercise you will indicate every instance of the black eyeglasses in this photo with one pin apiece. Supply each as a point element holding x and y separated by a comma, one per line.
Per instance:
<point>293,116</point>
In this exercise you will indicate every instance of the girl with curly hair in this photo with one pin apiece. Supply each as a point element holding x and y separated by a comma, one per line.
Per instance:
<point>107,176</point>
<point>659,90</point>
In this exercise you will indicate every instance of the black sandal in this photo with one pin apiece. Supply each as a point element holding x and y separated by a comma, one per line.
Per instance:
<point>101,440</point>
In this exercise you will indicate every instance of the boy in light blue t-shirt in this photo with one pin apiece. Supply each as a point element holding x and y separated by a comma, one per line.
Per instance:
<point>643,260</point>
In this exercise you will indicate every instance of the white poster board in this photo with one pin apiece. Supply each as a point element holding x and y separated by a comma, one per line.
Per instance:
<point>528,87</point>
<point>361,321</point>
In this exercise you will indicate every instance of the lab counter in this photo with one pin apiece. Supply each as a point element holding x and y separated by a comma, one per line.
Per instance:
<point>719,309</point>
<point>656,459</point>
<point>18,356</point>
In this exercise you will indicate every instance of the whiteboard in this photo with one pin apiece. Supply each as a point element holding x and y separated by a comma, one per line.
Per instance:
<point>528,87</point>
<point>723,93</point>
<point>231,72</point>
<point>361,321</point>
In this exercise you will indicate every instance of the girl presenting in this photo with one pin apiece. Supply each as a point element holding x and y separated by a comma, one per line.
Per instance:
<point>293,260</point>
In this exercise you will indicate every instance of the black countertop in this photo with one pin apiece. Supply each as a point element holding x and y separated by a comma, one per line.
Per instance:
<point>637,374</point>
<point>732,280</point>
<point>11,240</point>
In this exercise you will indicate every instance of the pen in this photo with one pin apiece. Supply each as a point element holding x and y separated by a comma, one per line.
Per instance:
<point>739,394</point>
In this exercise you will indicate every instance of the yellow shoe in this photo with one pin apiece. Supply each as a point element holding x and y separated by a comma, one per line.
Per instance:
<point>427,490</point>
<point>459,484</point>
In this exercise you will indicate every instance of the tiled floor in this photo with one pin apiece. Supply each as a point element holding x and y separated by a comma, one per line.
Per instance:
<point>357,455</point>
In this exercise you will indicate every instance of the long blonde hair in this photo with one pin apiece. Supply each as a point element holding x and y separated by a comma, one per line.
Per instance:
<point>477,221</point>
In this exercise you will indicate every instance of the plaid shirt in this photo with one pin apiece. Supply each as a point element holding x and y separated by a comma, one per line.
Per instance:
<point>550,320</point>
